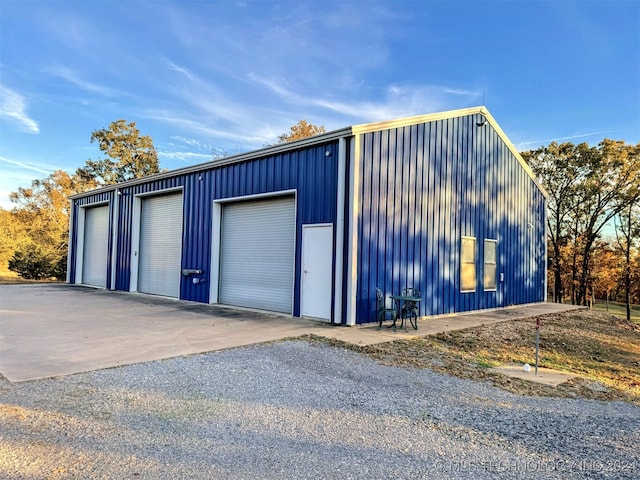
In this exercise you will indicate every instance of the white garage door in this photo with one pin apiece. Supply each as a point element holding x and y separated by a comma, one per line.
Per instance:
<point>257,254</point>
<point>96,243</point>
<point>160,245</point>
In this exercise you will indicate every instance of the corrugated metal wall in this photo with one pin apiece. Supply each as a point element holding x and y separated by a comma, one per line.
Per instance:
<point>425,186</point>
<point>310,171</point>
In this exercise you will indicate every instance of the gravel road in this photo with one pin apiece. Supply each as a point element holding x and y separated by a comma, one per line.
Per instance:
<point>300,410</point>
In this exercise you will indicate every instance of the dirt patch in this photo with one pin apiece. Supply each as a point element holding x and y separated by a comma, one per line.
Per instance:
<point>603,350</point>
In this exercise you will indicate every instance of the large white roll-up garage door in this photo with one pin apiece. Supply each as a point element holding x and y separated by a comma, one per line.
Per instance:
<point>257,254</point>
<point>160,249</point>
<point>96,243</point>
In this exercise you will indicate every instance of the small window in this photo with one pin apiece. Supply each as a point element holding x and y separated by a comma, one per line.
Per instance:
<point>490,264</point>
<point>468,264</point>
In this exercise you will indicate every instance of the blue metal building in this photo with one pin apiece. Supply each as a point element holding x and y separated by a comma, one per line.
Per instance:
<point>441,202</point>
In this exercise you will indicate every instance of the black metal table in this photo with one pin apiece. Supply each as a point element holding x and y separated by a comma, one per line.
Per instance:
<point>400,300</point>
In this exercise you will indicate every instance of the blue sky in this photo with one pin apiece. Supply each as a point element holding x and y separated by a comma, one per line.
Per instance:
<point>204,77</point>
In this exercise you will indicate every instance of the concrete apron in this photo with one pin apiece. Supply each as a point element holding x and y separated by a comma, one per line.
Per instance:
<point>51,330</point>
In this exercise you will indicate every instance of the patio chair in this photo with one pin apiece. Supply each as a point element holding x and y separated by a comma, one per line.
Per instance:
<point>410,309</point>
<point>383,310</point>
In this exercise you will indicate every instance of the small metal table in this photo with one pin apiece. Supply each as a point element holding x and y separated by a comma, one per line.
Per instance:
<point>400,300</point>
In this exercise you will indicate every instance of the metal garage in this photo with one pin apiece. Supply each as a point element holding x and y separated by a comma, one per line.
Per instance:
<point>257,254</point>
<point>313,227</point>
<point>160,245</point>
<point>96,241</point>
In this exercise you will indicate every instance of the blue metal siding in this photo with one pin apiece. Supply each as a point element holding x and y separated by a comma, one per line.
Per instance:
<point>425,186</point>
<point>309,171</point>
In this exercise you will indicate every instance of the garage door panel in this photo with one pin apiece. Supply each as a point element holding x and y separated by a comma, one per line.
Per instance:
<point>96,243</point>
<point>257,254</point>
<point>160,249</point>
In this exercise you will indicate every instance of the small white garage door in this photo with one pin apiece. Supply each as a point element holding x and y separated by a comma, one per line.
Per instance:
<point>257,254</point>
<point>160,249</point>
<point>96,243</point>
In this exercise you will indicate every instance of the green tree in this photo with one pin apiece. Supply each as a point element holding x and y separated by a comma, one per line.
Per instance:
<point>588,187</point>
<point>301,130</point>
<point>556,167</point>
<point>32,262</point>
<point>42,212</point>
<point>611,184</point>
<point>129,155</point>
<point>12,237</point>
<point>627,236</point>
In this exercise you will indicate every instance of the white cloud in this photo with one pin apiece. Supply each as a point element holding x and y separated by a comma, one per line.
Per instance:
<point>200,125</point>
<point>556,139</point>
<point>13,107</point>
<point>25,165</point>
<point>72,77</point>
<point>395,101</point>
<point>186,156</point>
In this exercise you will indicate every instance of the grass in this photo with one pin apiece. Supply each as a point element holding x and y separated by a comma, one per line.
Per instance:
<point>603,350</point>
<point>618,309</point>
<point>14,279</point>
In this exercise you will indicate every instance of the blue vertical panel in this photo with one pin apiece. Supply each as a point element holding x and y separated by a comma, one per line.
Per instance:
<point>424,188</point>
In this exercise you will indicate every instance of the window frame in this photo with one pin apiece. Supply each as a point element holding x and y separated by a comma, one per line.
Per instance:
<point>474,263</point>
<point>494,263</point>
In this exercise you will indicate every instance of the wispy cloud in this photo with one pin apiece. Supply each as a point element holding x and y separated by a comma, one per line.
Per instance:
<point>14,108</point>
<point>189,157</point>
<point>556,139</point>
<point>394,101</point>
<point>188,122</point>
<point>74,78</point>
<point>25,165</point>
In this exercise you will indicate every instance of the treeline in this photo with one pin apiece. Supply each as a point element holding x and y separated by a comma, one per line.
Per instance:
<point>34,234</point>
<point>593,219</point>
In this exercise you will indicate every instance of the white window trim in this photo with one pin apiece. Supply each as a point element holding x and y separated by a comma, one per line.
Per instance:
<point>494,241</point>
<point>475,263</point>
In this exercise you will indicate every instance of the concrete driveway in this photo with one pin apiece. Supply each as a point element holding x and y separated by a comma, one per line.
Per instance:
<point>49,330</point>
<point>52,330</point>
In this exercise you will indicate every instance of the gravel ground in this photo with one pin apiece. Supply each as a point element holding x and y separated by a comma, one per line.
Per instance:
<point>300,410</point>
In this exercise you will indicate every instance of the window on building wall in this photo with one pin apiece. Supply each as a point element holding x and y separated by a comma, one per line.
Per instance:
<point>468,264</point>
<point>490,270</point>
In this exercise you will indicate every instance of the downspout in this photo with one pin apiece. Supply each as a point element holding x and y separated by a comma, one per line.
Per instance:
<point>340,240</point>
<point>354,210</point>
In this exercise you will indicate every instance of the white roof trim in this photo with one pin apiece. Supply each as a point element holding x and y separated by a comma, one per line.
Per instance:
<point>432,117</point>
<point>328,137</point>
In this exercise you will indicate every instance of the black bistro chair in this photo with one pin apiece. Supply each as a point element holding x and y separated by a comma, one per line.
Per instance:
<point>410,308</point>
<point>383,310</point>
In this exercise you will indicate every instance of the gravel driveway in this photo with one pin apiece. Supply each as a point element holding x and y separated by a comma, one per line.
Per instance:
<point>300,410</point>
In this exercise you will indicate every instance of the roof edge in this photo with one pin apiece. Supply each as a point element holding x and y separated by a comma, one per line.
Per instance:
<point>404,122</point>
<point>239,158</point>
<point>327,137</point>
<point>463,112</point>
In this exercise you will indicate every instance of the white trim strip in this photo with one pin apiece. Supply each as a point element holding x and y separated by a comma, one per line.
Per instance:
<point>72,210</point>
<point>340,240</point>
<point>354,206</point>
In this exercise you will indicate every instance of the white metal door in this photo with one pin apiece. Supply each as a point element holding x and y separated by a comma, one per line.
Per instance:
<point>317,262</point>
<point>257,254</point>
<point>160,252</point>
<point>96,243</point>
